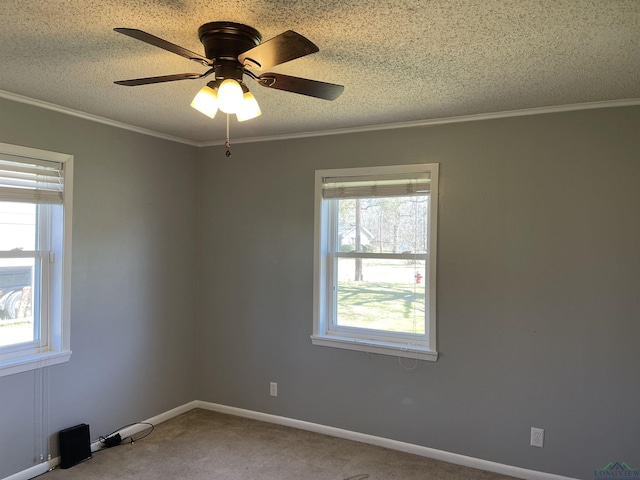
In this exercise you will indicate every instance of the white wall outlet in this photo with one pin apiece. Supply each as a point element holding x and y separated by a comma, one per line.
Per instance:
<point>273,389</point>
<point>537,437</point>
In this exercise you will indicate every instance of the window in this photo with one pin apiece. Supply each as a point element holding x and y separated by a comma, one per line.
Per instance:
<point>375,252</point>
<point>35,258</point>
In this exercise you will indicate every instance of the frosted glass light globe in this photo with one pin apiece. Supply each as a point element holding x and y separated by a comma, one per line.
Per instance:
<point>229,96</point>
<point>249,109</point>
<point>206,101</point>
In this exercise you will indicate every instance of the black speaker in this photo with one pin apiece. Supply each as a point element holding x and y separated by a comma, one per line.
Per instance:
<point>75,446</point>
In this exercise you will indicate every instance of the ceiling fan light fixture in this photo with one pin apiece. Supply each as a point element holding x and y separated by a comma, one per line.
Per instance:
<point>206,101</point>
<point>249,108</point>
<point>231,51</point>
<point>230,96</point>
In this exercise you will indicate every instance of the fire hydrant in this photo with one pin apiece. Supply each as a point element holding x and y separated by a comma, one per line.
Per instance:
<point>418,277</point>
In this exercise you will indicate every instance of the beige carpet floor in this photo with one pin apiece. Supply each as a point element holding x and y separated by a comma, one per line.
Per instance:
<point>201,444</point>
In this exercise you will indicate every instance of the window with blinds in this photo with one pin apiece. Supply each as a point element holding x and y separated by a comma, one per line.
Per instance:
<point>34,257</point>
<point>375,259</point>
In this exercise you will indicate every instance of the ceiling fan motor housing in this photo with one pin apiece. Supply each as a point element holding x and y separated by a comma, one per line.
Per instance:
<point>227,39</point>
<point>224,42</point>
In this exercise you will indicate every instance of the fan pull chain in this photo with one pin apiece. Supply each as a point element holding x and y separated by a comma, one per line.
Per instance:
<point>227,144</point>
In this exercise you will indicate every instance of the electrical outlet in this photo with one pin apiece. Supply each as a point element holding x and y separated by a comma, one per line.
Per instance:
<point>537,437</point>
<point>273,389</point>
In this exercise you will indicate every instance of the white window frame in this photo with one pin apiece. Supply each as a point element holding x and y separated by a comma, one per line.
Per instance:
<point>54,345</point>
<point>324,301</point>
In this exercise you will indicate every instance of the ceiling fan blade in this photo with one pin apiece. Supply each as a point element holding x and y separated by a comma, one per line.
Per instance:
<point>165,78</point>
<point>280,49</point>
<point>159,42</point>
<point>303,86</point>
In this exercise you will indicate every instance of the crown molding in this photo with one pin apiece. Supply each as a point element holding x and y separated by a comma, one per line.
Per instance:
<point>93,118</point>
<point>339,131</point>
<point>441,121</point>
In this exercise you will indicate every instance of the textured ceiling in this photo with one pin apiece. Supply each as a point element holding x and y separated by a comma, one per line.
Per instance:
<point>400,61</point>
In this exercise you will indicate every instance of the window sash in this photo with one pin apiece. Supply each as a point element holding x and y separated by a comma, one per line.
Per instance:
<point>40,304</point>
<point>331,309</point>
<point>333,254</point>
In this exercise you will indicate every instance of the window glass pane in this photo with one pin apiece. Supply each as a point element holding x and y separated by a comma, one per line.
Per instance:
<point>384,224</point>
<point>18,226</point>
<point>17,301</point>
<point>390,295</point>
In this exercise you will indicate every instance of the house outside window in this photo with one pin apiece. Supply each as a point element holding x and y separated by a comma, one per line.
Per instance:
<point>375,254</point>
<point>35,257</point>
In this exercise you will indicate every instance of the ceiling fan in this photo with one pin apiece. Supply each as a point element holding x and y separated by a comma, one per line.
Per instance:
<point>233,50</point>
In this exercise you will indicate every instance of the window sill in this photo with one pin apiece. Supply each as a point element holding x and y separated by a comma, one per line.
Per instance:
<point>371,346</point>
<point>32,362</point>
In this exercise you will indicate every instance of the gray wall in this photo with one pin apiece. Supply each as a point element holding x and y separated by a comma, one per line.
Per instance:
<point>538,274</point>
<point>538,290</point>
<point>133,285</point>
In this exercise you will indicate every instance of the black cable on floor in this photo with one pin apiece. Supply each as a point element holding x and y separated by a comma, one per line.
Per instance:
<point>114,439</point>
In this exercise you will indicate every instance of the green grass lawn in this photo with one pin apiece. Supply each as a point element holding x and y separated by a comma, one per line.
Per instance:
<point>382,306</point>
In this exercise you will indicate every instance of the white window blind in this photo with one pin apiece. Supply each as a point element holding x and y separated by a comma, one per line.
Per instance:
<point>376,186</point>
<point>31,180</point>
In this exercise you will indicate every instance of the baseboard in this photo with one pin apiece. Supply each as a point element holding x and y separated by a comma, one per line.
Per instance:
<point>427,452</point>
<point>34,471</point>
<point>441,455</point>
